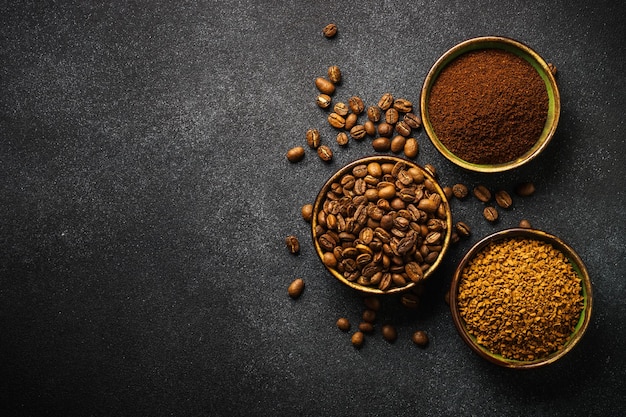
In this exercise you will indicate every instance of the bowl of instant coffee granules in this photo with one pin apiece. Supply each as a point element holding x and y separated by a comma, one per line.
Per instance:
<point>490,104</point>
<point>381,224</point>
<point>521,298</point>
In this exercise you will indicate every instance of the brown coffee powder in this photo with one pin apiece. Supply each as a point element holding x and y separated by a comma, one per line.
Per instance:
<point>488,106</point>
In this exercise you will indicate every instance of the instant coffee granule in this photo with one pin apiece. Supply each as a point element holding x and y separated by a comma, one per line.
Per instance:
<point>488,106</point>
<point>520,298</point>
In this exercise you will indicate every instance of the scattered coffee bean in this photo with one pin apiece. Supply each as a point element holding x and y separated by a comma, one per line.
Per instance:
<point>525,189</point>
<point>341,109</point>
<point>330,30</point>
<point>448,192</point>
<point>411,148</point>
<point>356,105</point>
<point>342,138</point>
<point>343,324</point>
<point>357,339</point>
<point>307,212</point>
<point>463,229</point>
<point>295,154</point>
<point>413,120</point>
<point>323,101</point>
<point>482,193</point>
<point>460,191</point>
<point>385,129</point>
<point>385,102</point>
<point>369,316</point>
<point>370,128</point>
<point>325,153</point>
<point>392,116</point>
<point>490,213</point>
<point>389,332</point>
<point>373,114</point>
<point>403,105</point>
<point>503,199</point>
<point>324,86</point>
<point>525,224</point>
<point>420,338</point>
<point>397,144</point>
<point>366,327</point>
<point>358,132</point>
<point>292,244</point>
<point>381,144</point>
<point>403,129</point>
<point>295,288</point>
<point>337,121</point>
<point>334,74</point>
<point>372,303</point>
<point>351,121</point>
<point>313,138</point>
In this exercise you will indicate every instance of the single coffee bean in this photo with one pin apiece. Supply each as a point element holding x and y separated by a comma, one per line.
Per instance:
<point>323,101</point>
<point>356,105</point>
<point>389,333</point>
<point>410,301</point>
<point>403,105</point>
<point>403,128</point>
<point>341,109</point>
<point>392,116</point>
<point>313,138</point>
<point>325,153</point>
<point>463,229</point>
<point>373,114</point>
<point>411,148</point>
<point>525,189</point>
<point>370,128</point>
<point>330,30</point>
<point>334,74</point>
<point>307,212</point>
<point>337,121</point>
<point>385,129</point>
<point>385,102</point>
<point>292,244</point>
<point>372,303</point>
<point>503,199</point>
<point>454,238</point>
<point>324,86</point>
<point>295,288</point>
<point>366,327</point>
<point>342,138</point>
<point>358,132</point>
<point>357,339</point>
<point>381,144</point>
<point>413,120</point>
<point>525,224</point>
<point>343,324</point>
<point>552,68</point>
<point>460,191</point>
<point>482,193</point>
<point>397,144</point>
<point>420,338</point>
<point>447,190</point>
<point>369,316</point>
<point>295,154</point>
<point>351,121</point>
<point>490,213</point>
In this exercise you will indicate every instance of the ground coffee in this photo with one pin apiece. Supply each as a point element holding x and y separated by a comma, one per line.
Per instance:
<point>488,106</point>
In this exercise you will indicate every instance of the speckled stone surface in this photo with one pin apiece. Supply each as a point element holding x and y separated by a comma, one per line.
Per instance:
<point>145,198</point>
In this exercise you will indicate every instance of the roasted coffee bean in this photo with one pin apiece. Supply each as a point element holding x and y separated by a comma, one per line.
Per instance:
<point>330,30</point>
<point>343,324</point>
<point>356,105</point>
<point>337,121</point>
<point>490,213</point>
<point>482,193</point>
<point>385,102</point>
<point>411,148</point>
<point>460,191</point>
<point>370,128</point>
<point>307,212</point>
<point>342,139</point>
<point>552,68</point>
<point>410,301</point>
<point>397,144</point>
<point>323,101</point>
<point>392,116</point>
<point>324,86</point>
<point>420,338</point>
<point>525,224</point>
<point>385,129</point>
<point>295,288</point>
<point>325,153</point>
<point>357,339</point>
<point>372,303</point>
<point>341,109</point>
<point>403,129</point>
<point>413,120</point>
<point>351,121</point>
<point>313,138</point>
<point>389,333</point>
<point>369,316</point>
<point>414,271</point>
<point>366,327</point>
<point>373,114</point>
<point>448,192</point>
<point>292,244</point>
<point>403,105</point>
<point>525,189</point>
<point>463,229</point>
<point>295,154</point>
<point>334,74</point>
<point>503,199</point>
<point>358,132</point>
<point>381,144</point>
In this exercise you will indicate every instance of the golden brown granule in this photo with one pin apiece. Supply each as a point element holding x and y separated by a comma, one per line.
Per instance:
<point>520,298</point>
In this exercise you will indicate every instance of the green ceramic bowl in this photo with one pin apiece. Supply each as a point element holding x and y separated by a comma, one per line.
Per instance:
<point>580,269</point>
<point>518,48</point>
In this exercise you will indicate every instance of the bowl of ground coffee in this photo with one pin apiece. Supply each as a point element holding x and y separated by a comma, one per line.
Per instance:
<point>381,224</point>
<point>490,104</point>
<point>521,298</point>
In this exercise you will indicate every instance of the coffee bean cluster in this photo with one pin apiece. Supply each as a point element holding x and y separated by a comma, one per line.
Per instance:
<point>382,225</point>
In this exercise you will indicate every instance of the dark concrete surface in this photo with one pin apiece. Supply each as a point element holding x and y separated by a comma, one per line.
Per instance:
<point>145,198</point>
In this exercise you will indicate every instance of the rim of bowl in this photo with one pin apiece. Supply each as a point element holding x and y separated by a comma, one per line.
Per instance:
<point>580,269</point>
<point>520,49</point>
<point>348,168</point>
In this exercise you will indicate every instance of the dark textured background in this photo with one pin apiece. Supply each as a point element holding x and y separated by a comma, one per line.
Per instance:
<point>145,198</point>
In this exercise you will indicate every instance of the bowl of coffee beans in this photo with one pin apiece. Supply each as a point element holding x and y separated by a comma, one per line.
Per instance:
<point>521,298</point>
<point>490,104</point>
<point>381,224</point>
